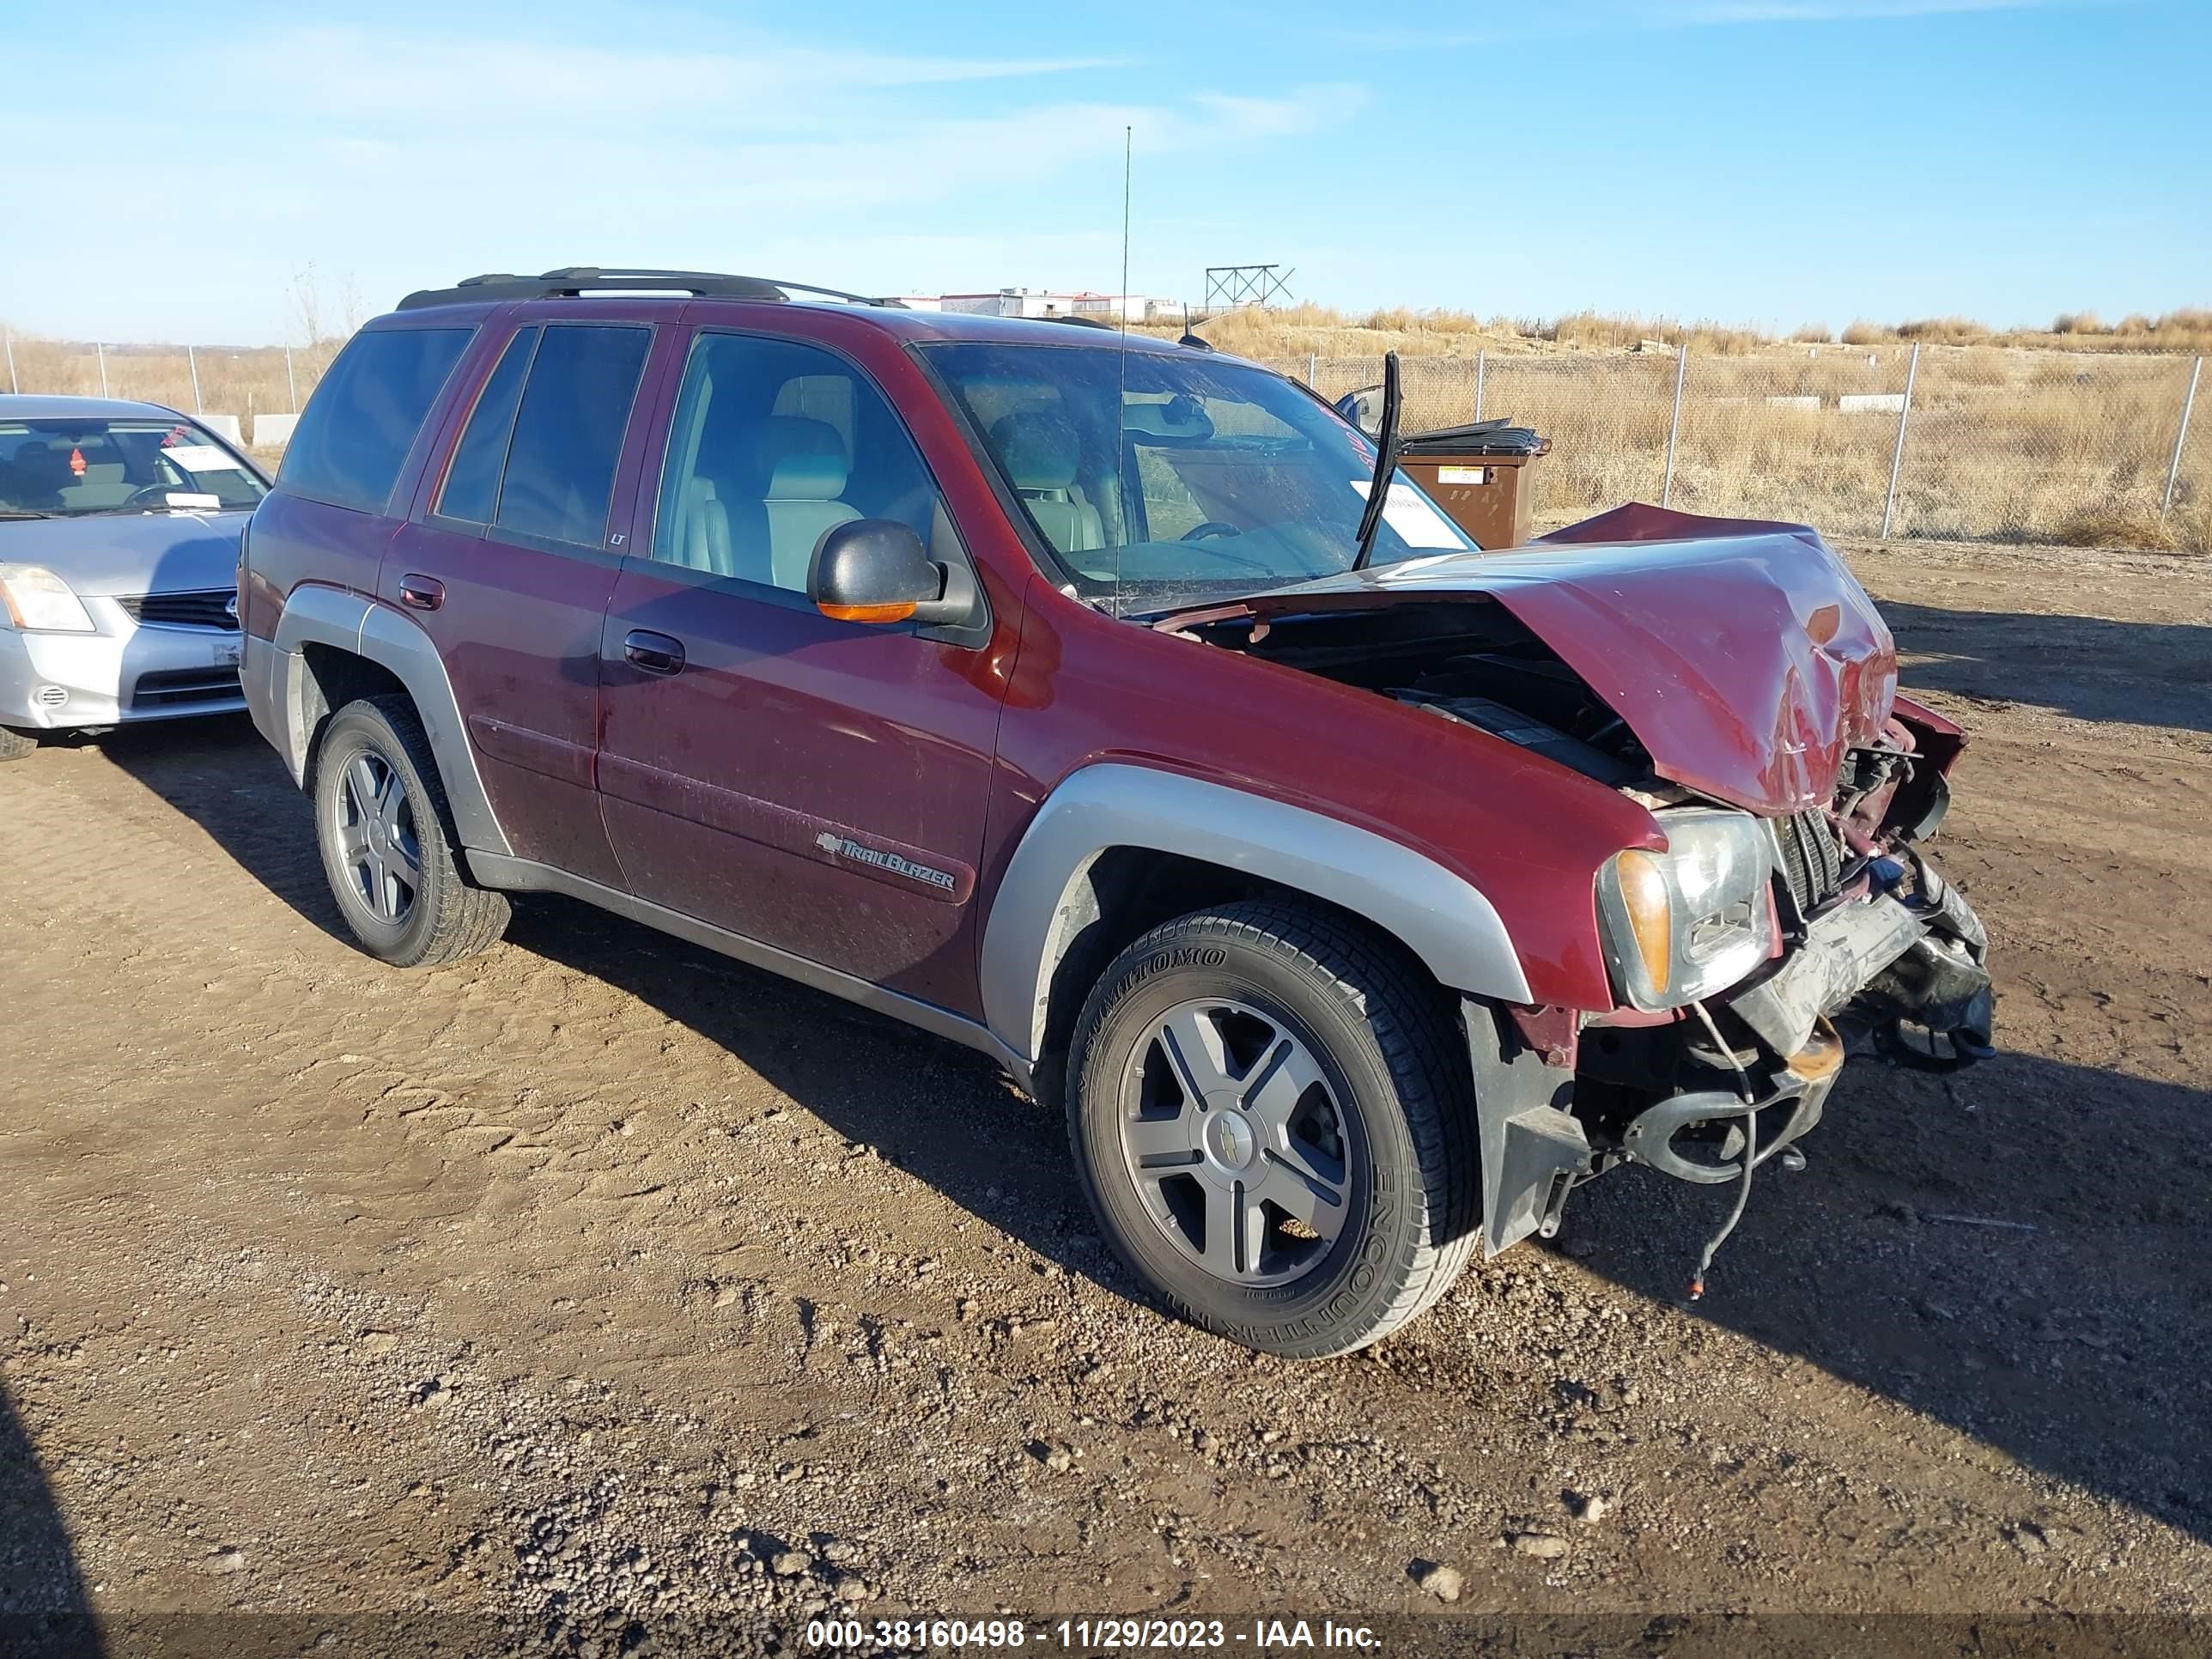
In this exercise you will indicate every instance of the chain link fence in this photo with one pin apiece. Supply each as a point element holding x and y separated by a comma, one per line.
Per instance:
<point>248,384</point>
<point>1968,443</point>
<point>1959,442</point>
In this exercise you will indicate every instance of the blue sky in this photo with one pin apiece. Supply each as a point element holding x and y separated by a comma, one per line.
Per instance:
<point>1770,161</point>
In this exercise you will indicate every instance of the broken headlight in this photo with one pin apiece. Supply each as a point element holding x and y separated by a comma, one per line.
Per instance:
<point>1695,918</point>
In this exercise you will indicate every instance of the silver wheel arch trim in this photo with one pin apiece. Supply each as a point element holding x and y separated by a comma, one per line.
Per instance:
<point>351,623</point>
<point>1044,898</point>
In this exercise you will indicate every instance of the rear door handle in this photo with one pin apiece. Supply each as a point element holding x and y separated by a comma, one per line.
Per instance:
<point>656,653</point>
<point>421,593</point>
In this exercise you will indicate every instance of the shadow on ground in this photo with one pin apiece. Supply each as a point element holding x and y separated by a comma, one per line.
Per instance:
<point>44,1610</point>
<point>2018,1251</point>
<point>2088,667</point>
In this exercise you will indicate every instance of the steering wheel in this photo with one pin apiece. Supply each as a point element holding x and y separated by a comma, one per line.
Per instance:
<point>151,494</point>
<point>1210,527</point>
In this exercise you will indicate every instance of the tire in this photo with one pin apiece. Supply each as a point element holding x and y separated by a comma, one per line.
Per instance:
<point>394,867</point>
<point>15,745</point>
<point>1379,1115</point>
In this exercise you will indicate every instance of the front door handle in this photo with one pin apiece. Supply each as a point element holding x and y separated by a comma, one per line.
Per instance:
<point>656,653</point>
<point>421,593</point>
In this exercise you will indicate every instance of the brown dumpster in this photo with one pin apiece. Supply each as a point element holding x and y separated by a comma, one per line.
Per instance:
<point>1478,475</point>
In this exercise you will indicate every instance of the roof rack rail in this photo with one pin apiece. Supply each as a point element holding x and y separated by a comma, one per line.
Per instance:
<point>572,280</point>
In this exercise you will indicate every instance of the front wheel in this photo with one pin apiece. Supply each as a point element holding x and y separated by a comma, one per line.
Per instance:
<point>381,823</point>
<point>1275,1126</point>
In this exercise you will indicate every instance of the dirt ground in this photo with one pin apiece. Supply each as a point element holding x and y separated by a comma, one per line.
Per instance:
<point>598,1284</point>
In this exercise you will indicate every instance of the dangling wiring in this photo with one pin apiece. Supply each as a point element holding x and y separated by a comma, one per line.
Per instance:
<point>1750,1154</point>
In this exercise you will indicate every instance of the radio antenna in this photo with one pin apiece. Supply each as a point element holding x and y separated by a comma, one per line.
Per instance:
<point>1121,388</point>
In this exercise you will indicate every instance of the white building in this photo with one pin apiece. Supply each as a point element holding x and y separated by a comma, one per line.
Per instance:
<point>1047,303</point>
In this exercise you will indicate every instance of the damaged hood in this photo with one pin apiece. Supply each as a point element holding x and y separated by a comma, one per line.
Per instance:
<point>1743,654</point>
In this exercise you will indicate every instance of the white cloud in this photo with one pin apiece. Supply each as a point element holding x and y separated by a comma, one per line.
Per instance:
<point>407,166</point>
<point>346,72</point>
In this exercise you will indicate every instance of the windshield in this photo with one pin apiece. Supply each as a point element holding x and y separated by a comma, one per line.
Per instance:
<point>67,466</point>
<point>1161,480</point>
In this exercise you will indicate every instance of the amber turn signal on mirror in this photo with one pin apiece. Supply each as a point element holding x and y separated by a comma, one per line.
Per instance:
<point>865,613</point>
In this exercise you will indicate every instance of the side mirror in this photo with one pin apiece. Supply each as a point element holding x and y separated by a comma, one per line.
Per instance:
<point>873,570</point>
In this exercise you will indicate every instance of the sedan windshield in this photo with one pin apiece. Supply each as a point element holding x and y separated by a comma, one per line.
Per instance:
<point>69,466</point>
<point>1160,481</point>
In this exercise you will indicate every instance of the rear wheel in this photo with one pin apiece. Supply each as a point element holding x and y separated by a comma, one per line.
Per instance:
<point>14,745</point>
<point>383,827</point>
<point>1273,1124</point>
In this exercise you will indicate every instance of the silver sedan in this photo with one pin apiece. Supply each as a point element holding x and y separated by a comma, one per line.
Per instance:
<point>118,552</point>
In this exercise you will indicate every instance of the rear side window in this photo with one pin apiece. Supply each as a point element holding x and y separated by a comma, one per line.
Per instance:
<point>569,432</point>
<point>471,489</point>
<point>358,429</point>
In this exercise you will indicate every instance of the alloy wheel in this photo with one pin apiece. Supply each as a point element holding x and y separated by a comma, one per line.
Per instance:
<point>1236,1140</point>
<point>380,846</point>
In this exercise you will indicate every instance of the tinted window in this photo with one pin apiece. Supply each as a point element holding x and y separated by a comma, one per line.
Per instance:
<point>358,429</point>
<point>472,488</point>
<point>568,433</point>
<point>773,445</point>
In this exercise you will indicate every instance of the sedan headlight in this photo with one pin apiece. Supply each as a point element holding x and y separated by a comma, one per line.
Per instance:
<point>1695,918</point>
<point>36,598</point>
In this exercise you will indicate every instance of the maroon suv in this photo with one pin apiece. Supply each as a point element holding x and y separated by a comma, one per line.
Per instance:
<point>1101,703</point>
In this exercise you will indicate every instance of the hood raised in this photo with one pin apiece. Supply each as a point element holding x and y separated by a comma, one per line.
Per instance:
<point>1743,654</point>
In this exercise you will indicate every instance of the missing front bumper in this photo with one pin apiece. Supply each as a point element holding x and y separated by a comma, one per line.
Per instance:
<point>1909,963</point>
<point>1905,964</point>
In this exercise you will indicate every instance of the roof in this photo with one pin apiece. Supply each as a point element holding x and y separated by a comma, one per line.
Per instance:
<point>921,327</point>
<point>48,406</point>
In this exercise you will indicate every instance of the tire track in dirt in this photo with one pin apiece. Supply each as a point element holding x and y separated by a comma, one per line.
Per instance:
<point>572,1281</point>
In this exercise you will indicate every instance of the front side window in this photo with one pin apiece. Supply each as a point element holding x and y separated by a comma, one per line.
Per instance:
<point>354,434</point>
<point>567,438</point>
<point>773,445</point>
<point>69,466</point>
<point>1159,480</point>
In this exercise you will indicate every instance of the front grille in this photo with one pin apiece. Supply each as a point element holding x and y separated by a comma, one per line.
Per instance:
<point>175,687</point>
<point>1812,858</point>
<point>215,607</point>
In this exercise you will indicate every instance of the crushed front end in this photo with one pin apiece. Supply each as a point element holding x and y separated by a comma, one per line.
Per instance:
<point>1748,957</point>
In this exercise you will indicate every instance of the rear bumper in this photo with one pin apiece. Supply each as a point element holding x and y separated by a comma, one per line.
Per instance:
<point>120,674</point>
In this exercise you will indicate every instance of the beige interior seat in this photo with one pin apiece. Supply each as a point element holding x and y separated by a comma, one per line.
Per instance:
<point>806,472</point>
<point>706,545</point>
<point>1038,449</point>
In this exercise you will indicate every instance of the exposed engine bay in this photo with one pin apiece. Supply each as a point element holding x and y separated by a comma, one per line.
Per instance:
<point>1868,941</point>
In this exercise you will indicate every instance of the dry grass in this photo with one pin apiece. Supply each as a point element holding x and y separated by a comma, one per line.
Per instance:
<point>2064,434</point>
<point>2004,443</point>
<point>2106,526</point>
<point>242,380</point>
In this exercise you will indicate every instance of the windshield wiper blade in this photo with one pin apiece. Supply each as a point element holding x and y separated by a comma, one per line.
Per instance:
<point>1386,465</point>
<point>23,512</point>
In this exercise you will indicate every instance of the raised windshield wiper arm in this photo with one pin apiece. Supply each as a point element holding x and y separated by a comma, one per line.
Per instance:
<point>1386,465</point>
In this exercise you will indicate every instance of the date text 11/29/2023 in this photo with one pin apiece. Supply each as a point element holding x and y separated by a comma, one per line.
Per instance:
<point>1083,1635</point>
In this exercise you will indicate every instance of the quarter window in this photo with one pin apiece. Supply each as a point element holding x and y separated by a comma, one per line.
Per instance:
<point>569,432</point>
<point>355,434</point>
